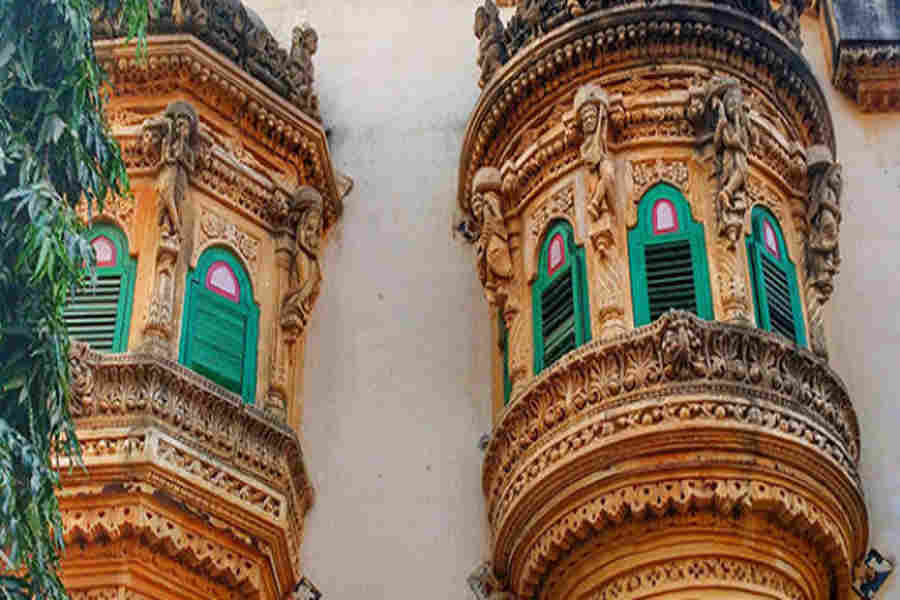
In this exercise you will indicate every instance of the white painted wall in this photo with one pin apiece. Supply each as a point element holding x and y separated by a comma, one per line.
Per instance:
<point>397,379</point>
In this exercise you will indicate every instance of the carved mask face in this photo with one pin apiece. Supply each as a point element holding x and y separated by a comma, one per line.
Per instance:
<point>310,231</point>
<point>590,116</point>
<point>828,224</point>
<point>183,126</point>
<point>732,101</point>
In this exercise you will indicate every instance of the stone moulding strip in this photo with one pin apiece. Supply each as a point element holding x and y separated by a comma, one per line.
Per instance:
<point>89,525</point>
<point>715,35</point>
<point>654,502</point>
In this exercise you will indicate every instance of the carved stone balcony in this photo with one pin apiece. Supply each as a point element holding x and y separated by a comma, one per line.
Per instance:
<point>684,455</point>
<point>186,488</point>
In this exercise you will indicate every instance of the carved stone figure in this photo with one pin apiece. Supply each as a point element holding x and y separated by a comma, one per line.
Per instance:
<point>529,14</point>
<point>305,273</point>
<point>731,139</point>
<point>592,121</point>
<point>491,48</point>
<point>300,69</point>
<point>786,19</point>
<point>823,258</point>
<point>492,248</point>
<point>81,374</point>
<point>176,132</point>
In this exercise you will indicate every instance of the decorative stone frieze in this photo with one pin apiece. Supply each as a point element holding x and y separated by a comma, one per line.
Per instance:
<point>870,74</point>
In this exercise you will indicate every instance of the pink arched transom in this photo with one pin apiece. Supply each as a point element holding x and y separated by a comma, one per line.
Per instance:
<point>221,280</point>
<point>665,219</point>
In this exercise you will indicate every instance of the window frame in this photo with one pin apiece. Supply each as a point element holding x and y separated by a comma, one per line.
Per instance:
<point>574,262</point>
<point>196,291</point>
<point>760,216</point>
<point>643,234</point>
<point>125,267</point>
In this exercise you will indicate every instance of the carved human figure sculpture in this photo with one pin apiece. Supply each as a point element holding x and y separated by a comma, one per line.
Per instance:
<point>305,273</point>
<point>492,247</point>
<point>175,131</point>
<point>490,34</point>
<point>731,139</point>
<point>301,72</point>
<point>823,258</point>
<point>592,122</point>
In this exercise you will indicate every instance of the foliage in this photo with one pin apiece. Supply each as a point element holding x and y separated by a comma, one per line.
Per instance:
<point>55,150</point>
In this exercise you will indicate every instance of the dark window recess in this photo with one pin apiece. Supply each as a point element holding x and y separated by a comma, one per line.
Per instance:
<point>670,278</point>
<point>778,298</point>
<point>558,316</point>
<point>91,314</point>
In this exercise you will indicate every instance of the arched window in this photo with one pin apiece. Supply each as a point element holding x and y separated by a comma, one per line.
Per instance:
<point>774,278</point>
<point>220,323</point>
<point>100,315</point>
<point>559,299</point>
<point>667,255</point>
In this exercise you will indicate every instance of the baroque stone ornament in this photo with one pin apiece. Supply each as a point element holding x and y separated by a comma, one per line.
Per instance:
<point>173,137</point>
<point>823,258</point>
<point>494,263</point>
<point>724,108</point>
<point>306,274</point>
<point>485,585</point>
<point>491,46</point>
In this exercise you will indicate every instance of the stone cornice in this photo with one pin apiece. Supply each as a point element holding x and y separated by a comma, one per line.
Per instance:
<point>869,72</point>
<point>184,64</point>
<point>716,37</point>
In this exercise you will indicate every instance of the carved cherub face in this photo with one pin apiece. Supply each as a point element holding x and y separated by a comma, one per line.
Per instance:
<point>589,115</point>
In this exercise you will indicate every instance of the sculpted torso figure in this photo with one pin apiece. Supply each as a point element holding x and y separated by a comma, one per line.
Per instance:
<point>305,273</point>
<point>174,131</point>
<point>490,33</point>
<point>492,247</point>
<point>592,118</point>
<point>823,260</point>
<point>731,140</point>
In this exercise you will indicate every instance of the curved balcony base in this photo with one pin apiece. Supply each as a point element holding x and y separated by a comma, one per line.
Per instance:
<point>696,556</point>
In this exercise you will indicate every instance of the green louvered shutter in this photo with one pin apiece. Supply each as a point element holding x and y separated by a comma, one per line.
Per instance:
<point>91,316</point>
<point>558,315</point>
<point>670,277</point>
<point>778,296</point>
<point>504,348</point>
<point>218,339</point>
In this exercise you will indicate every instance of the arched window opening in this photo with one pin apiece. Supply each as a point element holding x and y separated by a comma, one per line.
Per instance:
<point>667,256</point>
<point>220,323</point>
<point>99,313</point>
<point>559,301</point>
<point>774,278</point>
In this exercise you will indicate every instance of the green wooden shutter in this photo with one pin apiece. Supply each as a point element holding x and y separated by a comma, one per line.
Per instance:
<point>219,336</point>
<point>99,313</point>
<point>218,340</point>
<point>670,278</point>
<point>559,301</point>
<point>92,313</point>
<point>774,279</point>
<point>504,348</point>
<point>669,269</point>
<point>558,317</point>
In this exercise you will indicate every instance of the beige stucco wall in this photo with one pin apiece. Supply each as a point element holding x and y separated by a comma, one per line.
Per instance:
<point>398,362</point>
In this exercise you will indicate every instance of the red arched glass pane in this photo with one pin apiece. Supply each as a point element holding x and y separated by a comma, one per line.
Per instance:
<point>105,251</point>
<point>556,254</point>
<point>665,219</point>
<point>770,239</point>
<point>221,280</point>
